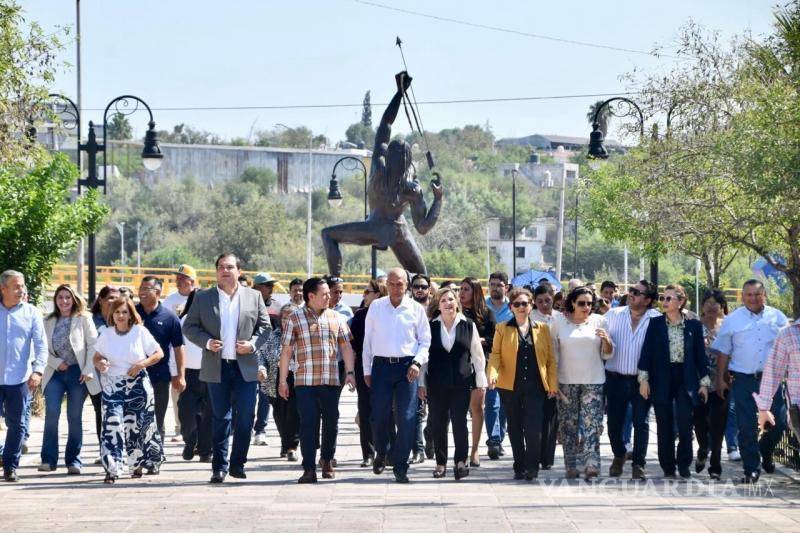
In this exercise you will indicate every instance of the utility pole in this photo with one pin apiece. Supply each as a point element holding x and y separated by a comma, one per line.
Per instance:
<point>560,244</point>
<point>79,284</point>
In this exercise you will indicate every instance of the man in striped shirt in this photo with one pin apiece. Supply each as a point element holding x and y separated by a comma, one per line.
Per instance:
<point>783,361</point>
<point>627,326</point>
<point>313,334</point>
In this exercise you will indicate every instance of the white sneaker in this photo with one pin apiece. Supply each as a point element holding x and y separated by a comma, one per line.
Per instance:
<point>260,439</point>
<point>734,456</point>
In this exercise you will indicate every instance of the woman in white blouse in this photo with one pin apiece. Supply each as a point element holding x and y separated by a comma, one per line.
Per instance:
<point>123,351</point>
<point>455,356</point>
<point>580,345</point>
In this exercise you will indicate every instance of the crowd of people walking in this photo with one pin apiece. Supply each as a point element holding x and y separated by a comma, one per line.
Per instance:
<point>539,364</point>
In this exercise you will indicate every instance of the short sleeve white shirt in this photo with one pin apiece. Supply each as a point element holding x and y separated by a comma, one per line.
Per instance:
<point>122,351</point>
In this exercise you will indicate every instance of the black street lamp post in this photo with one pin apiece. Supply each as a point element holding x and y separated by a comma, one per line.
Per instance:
<point>597,152</point>
<point>335,197</point>
<point>151,157</point>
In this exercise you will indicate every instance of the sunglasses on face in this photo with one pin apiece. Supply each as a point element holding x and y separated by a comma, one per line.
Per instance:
<point>520,304</point>
<point>670,298</point>
<point>633,291</point>
<point>420,287</point>
<point>583,303</point>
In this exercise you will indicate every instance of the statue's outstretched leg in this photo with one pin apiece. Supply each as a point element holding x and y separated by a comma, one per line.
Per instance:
<point>361,233</point>
<point>407,253</point>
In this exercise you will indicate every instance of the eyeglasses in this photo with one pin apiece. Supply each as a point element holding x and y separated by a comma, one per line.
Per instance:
<point>420,287</point>
<point>633,291</point>
<point>583,303</point>
<point>370,291</point>
<point>670,298</point>
<point>520,304</point>
<point>335,280</point>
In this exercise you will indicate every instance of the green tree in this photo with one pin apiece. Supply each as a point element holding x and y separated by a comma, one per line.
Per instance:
<point>366,112</point>
<point>263,178</point>
<point>119,128</point>
<point>38,223</point>
<point>360,133</point>
<point>603,118</point>
<point>185,134</point>
<point>27,67</point>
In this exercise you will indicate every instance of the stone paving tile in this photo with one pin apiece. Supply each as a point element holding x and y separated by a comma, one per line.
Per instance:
<point>357,501</point>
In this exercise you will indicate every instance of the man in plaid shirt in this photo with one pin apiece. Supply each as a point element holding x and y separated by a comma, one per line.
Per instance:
<point>784,358</point>
<point>313,334</point>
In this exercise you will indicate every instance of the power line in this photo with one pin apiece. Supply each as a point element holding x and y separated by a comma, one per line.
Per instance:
<point>515,32</point>
<point>428,102</point>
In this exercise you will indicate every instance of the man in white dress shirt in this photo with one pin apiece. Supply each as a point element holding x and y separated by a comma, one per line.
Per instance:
<point>396,341</point>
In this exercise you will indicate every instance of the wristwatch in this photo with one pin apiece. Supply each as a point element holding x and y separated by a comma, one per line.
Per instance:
<point>350,373</point>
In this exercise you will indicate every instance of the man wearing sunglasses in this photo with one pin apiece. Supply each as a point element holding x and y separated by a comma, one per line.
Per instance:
<point>421,289</point>
<point>627,326</point>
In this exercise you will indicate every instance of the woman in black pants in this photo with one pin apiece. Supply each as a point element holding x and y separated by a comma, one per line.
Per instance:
<point>455,362</point>
<point>673,374</point>
<point>374,290</point>
<point>473,304</point>
<point>711,417</point>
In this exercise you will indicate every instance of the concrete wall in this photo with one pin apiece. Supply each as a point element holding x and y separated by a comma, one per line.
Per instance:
<point>215,163</point>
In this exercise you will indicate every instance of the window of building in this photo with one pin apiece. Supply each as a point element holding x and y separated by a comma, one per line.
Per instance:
<point>520,252</point>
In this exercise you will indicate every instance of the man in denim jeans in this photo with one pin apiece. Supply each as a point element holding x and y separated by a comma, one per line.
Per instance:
<point>23,353</point>
<point>495,416</point>
<point>743,343</point>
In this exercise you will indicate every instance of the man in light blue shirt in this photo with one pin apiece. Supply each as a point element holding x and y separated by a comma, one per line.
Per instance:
<point>742,345</point>
<point>494,414</point>
<point>21,327</point>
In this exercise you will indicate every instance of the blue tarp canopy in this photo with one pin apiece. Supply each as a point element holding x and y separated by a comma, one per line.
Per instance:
<point>533,277</point>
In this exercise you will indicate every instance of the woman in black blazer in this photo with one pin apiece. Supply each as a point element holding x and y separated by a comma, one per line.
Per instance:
<point>673,368</point>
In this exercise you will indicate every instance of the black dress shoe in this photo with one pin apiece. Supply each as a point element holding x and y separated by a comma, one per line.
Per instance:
<point>519,475</point>
<point>238,473</point>
<point>461,472</point>
<point>10,475</point>
<point>367,462</point>
<point>188,452</point>
<point>493,452</point>
<point>205,458</point>
<point>714,476</point>
<point>670,475</point>
<point>768,465</point>
<point>751,478</point>
<point>378,465</point>
<point>217,477</point>
<point>699,465</point>
<point>547,467</point>
<point>291,455</point>
<point>685,473</point>
<point>531,475</point>
<point>153,471</point>
<point>309,476</point>
<point>401,478</point>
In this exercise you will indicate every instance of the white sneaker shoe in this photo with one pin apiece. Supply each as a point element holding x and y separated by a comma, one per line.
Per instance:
<point>734,456</point>
<point>260,439</point>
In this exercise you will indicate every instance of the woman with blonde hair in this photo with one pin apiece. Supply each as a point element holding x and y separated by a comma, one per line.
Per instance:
<point>456,366</point>
<point>71,336</point>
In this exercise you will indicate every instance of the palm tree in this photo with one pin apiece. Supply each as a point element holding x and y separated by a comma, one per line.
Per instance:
<point>602,118</point>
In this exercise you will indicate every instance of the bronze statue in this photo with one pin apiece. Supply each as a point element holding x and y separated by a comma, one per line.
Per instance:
<point>392,186</point>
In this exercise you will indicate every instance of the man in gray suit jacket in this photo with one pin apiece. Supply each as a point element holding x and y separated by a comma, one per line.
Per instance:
<point>230,322</point>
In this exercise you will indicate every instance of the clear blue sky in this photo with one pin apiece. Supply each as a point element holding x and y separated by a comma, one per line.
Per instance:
<point>182,53</point>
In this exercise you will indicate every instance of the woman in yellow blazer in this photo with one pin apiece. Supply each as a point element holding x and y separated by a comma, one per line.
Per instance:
<point>523,368</point>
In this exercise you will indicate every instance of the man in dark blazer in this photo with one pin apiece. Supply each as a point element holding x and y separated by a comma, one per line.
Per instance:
<point>230,322</point>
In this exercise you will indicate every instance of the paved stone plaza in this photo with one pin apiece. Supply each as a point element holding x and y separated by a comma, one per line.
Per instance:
<point>488,500</point>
